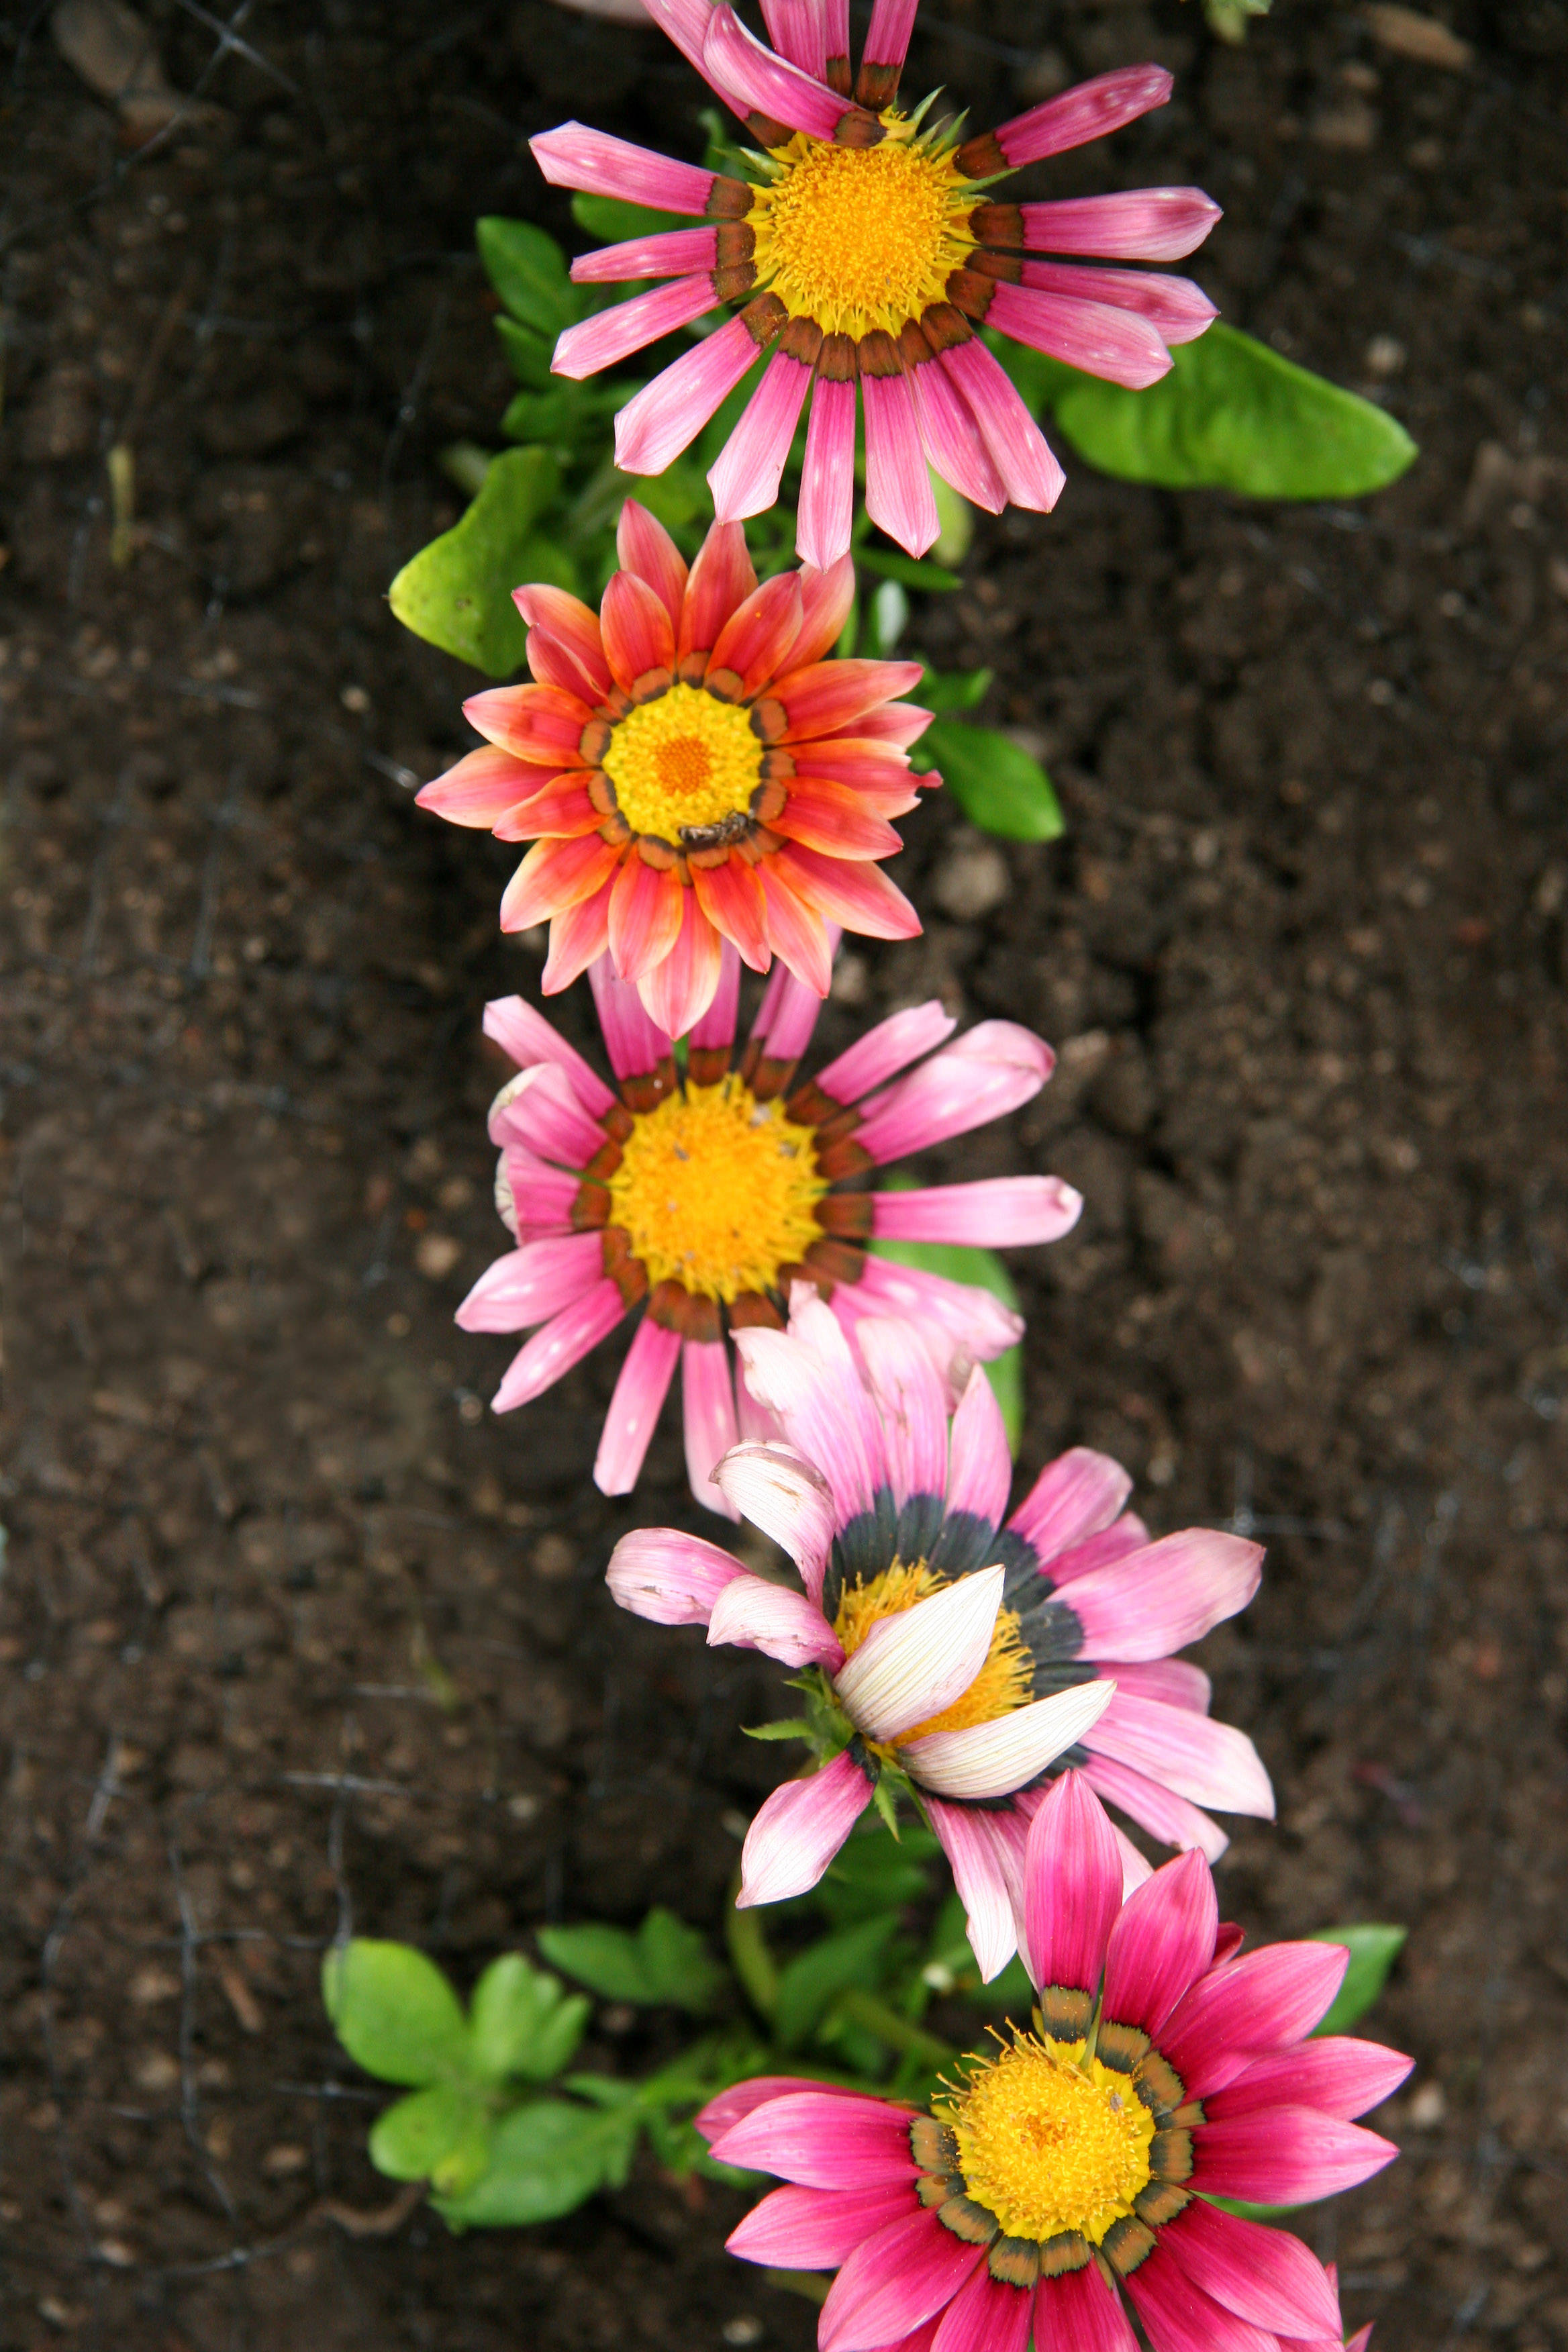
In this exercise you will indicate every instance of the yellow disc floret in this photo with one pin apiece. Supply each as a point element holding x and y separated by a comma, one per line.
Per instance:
<point>858,238</point>
<point>684,761</point>
<point>716,1190</point>
<point>1004,1682</point>
<point>1050,2145</point>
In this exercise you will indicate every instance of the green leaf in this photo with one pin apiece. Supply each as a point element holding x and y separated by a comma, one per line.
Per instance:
<point>986,1270</point>
<point>569,413</point>
<point>521,2022</point>
<point>852,1957</point>
<point>416,2136</point>
<point>604,1959</point>
<point>676,1963</point>
<point>1231,414</point>
<point>394,2012</point>
<point>871,1876</point>
<point>457,592</point>
<point>545,2159</point>
<point>793,1727</point>
<point>528,271</point>
<point>529,354</point>
<point>997,783</point>
<point>1374,1951</point>
<point>952,689</point>
<point>912,570</point>
<point>613,220</point>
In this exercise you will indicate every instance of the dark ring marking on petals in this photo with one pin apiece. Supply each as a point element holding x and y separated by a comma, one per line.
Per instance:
<point>734,245</point>
<point>836,361</point>
<point>970,293</point>
<point>591,1209</point>
<point>1065,2013</point>
<point>1014,2262</point>
<point>876,86</point>
<point>763,318</point>
<point>861,1549</point>
<point>933,2145</point>
<point>944,328</point>
<point>997,225</point>
<point>1170,2154</point>
<point>934,2192</point>
<point>766,132</point>
<point>838,77</point>
<point>750,1311</point>
<point>980,158</point>
<point>1160,2201</point>
<point>706,1065</point>
<point>1068,2250</point>
<point>1159,2086</point>
<point>737,278</point>
<point>1127,2243</point>
<point>976,2224</point>
<point>1120,2046</point>
<point>965,1543</point>
<point>920,1523</point>
<point>728,199</point>
<point>878,354</point>
<point>855,128</point>
<point>1007,267</point>
<point>802,341</point>
<point>845,1216</point>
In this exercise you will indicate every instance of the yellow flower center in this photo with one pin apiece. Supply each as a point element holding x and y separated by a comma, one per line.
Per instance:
<point>858,238</point>
<point>1004,1682</point>
<point>716,1190</point>
<point>683,762</point>
<point>1048,2144</point>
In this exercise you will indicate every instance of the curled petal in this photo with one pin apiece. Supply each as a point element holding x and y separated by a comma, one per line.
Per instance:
<point>788,1498</point>
<point>992,1759</point>
<point>754,1614</point>
<point>913,1666</point>
<point>673,1579</point>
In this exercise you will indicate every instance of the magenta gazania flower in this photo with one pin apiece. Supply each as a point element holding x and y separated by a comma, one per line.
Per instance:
<point>701,1199</point>
<point>954,1657</point>
<point>691,770</point>
<point>868,248</point>
<point>1075,2163</point>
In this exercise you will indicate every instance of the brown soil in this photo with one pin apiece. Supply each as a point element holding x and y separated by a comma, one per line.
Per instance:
<point>1302,952</point>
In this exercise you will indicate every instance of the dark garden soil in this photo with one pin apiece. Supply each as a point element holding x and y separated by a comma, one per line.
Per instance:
<point>1301,952</point>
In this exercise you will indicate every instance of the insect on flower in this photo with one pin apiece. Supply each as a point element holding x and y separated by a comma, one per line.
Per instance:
<point>868,248</point>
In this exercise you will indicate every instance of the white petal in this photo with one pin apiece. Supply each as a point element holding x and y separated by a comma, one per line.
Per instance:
<point>788,1498</point>
<point>912,1666</point>
<point>756,1615</point>
<point>992,1759</point>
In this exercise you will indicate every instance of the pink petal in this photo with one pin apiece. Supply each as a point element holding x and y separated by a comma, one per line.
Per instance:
<point>480,789</point>
<point>1078,2313</point>
<point>824,1413</point>
<point>1074,1497</point>
<point>644,546</point>
<point>668,414</point>
<point>669,1578</point>
<point>569,622</point>
<point>1115,343</point>
<point>1166,1594</point>
<point>981,1471</point>
<point>673,253</point>
<point>715,1032</point>
<point>1072,1888</point>
<point>575,157</point>
<point>1338,2075</point>
<point>985,1851</point>
<point>742,67</point>
<point>911,1400</point>
<point>557,877</point>
<point>1265,2275</point>
<point>1125,1536</point>
<point>860,897</point>
<point>826,599</point>
<point>820,2139</point>
<point>559,1344</point>
<point>744,478</point>
<point>645,913</point>
<point>990,1070</point>
<point>636,1045</point>
<point>638,634</point>
<point>824,697</point>
<point>796,931</point>
<point>1014,441</point>
<point>1170,1680</point>
<point>679,989</point>
<point>799,1830</point>
<point>1176,306</point>
<point>739,2100</point>
<point>540,1109</point>
<point>986,2315</point>
<point>1285,2155</point>
<point>1090,109</point>
<point>1136,225</point>
<point>953,440</point>
<point>892,2281</point>
<point>1266,2000</point>
<point>543,1197</point>
<point>817,2229</point>
<point>534,1283</point>
<point>1154,1807</point>
<point>1179,2317</point>
<point>954,1317</point>
<point>827,477</point>
<point>788,1498</point>
<point>836,23</point>
<point>898,494</point>
<point>708,1398</point>
<point>1161,1941</point>
<point>1212,1763</point>
<point>528,1037</point>
<point>754,1614</point>
<point>885,1050</point>
<point>755,641</point>
<point>576,937</point>
<point>640,1391</point>
<point>914,1666</point>
<point>998,1213</point>
<point>798,31</point>
<point>722,579</point>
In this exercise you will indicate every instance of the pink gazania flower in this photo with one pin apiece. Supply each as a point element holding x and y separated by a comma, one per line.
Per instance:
<point>868,248</point>
<point>701,1200</point>
<point>693,771</point>
<point>954,1658</point>
<point>1075,2164</point>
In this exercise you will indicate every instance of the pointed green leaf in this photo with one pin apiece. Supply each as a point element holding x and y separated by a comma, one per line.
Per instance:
<point>986,1270</point>
<point>457,592</point>
<point>545,2159</point>
<point>952,689</point>
<point>604,1959</point>
<point>999,786</point>
<point>415,2136</point>
<point>677,1964</point>
<point>528,271</point>
<point>521,2022</point>
<point>852,1957</point>
<point>394,2012</point>
<point>1374,1951</point>
<point>529,354</point>
<point>910,571</point>
<point>613,220</point>
<point>791,1727</point>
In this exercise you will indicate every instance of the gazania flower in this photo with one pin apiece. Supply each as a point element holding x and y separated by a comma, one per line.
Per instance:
<point>702,1201</point>
<point>693,771</point>
<point>867,247</point>
<point>1074,2164</point>
<point>953,1656</point>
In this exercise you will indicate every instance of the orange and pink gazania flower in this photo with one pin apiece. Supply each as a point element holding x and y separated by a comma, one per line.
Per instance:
<point>692,769</point>
<point>867,249</point>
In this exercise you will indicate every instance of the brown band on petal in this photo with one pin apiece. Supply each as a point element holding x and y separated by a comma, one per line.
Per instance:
<point>980,158</point>
<point>944,328</point>
<point>914,346</point>
<point>1014,2262</point>
<point>834,1121</point>
<point>750,1311</point>
<point>933,2146</point>
<point>602,793</point>
<point>838,77</point>
<point>616,832</point>
<point>649,1087</point>
<point>809,1106</point>
<point>876,86</point>
<point>1127,2243</point>
<point>763,843</point>
<point>997,225</point>
<point>845,1216</point>
<point>706,1065</point>
<point>802,341</point>
<point>1008,266</point>
<point>1171,2154</point>
<point>1189,2115</point>
<point>845,1158</point>
<point>628,1273</point>
<point>713,843</point>
<point>1064,2013</point>
<point>770,720</point>
<point>728,199</point>
<point>931,2193</point>
<point>704,1326</point>
<point>976,2224</point>
<point>591,1209</point>
<point>603,1163</point>
<point>1159,2202</point>
<point>651,685</point>
<point>693,668</point>
<point>618,1123</point>
<point>766,132</point>
<point>667,1304</point>
<point>595,741</point>
<point>768,1079</point>
<point>836,361</point>
<point>724,685</point>
<point>1157,2082</point>
<point>655,851</point>
<point>767,802</point>
<point>792,1271</point>
<point>1064,2253</point>
<point>777,767</point>
<point>970,293</point>
<point>735,245</point>
<point>735,282</point>
<point>836,1261</point>
<point>1120,2046</point>
<point>763,318</point>
<point>878,354</point>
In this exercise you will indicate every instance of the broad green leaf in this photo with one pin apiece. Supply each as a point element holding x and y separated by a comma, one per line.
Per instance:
<point>606,1959</point>
<point>613,220</point>
<point>545,2159</point>
<point>997,783</point>
<point>1231,414</point>
<point>676,1964</point>
<point>952,689</point>
<point>457,592</point>
<point>913,572</point>
<point>870,1876</point>
<point>568,412</point>
<point>1374,1951</point>
<point>394,2012</point>
<point>521,2022</point>
<point>852,1957</point>
<point>528,271</point>
<point>986,1270</point>
<point>529,353</point>
<point>416,2136</point>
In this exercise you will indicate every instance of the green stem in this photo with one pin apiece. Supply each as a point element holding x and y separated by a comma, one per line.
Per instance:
<point>750,1957</point>
<point>897,2033</point>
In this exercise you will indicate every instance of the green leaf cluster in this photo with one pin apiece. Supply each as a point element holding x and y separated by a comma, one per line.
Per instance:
<point>665,1961</point>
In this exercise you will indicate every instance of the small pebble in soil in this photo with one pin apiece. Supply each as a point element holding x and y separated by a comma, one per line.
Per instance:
<point>972,879</point>
<point>1427,2107</point>
<point>436,1254</point>
<point>742,2329</point>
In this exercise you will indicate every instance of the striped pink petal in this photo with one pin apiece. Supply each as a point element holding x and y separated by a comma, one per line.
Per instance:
<point>1134,225</point>
<point>645,910</point>
<point>898,494</point>
<point>744,478</point>
<point>636,1045</point>
<point>1079,2313</point>
<point>797,931</point>
<point>985,1851</point>
<point>1178,2316</point>
<point>1212,1763</point>
<point>1091,109</point>
<point>644,546</point>
<point>1265,2001</point>
<point>482,788</point>
<point>1175,1681</point>
<point>1285,2155</point>
<point>532,1283</point>
<point>679,988</point>
<point>986,2315</point>
<point>798,1831</point>
<point>559,1344</point>
<point>754,1614</point>
<point>1337,2075</point>
<point>817,2229</point>
<point>541,1110</point>
<point>754,642</point>
<point>860,897</point>
<point>826,599</point>
<point>788,1498</point>
<point>827,478</point>
<point>1094,336</point>
<point>708,1403</point>
<point>1162,1939</point>
<point>576,934</point>
<point>1176,306</point>
<point>997,1213</point>
<point>952,1317</point>
<point>668,414</point>
<point>566,618</point>
<point>980,1464</point>
<point>953,440</point>
<point>669,1578</point>
<point>715,1032</point>
<point>740,65</point>
<point>892,2281</point>
<point>789,1014</point>
<point>1014,441</point>
<point>911,1404</point>
<point>512,1023</point>
<point>1265,2275</point>
<point>1166,1594</point>
<point>640,1391</point>
<point>541,1198</point>
<point>886,1050</point>
<point>1154,1807</point>
<point>1072,1888</point>
<point>808,1378</point>
<point>821,2139</point>
<point>554,876</point>
<point>991,1069</point>
<point>572,156</point>
<point>673,253</point>
<point>728,2107</point>
<point>798,31</point>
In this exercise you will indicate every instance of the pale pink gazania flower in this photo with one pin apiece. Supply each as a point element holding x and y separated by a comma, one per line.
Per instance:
<point>962,1656</point>
<point>699,1201</point>
<point>1075,2164</point>
<point>868,250</point>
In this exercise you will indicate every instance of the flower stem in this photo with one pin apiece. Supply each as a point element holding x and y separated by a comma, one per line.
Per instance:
<point>750,1957</point>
